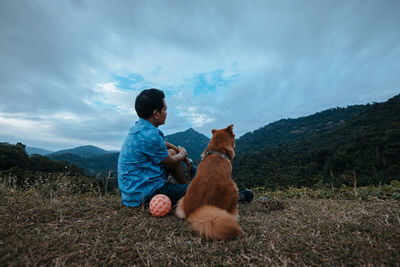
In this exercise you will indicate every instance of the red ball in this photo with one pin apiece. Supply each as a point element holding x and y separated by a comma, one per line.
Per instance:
<point>160,205</point>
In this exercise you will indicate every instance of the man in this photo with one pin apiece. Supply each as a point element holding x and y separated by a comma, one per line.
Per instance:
<point>146,159</point>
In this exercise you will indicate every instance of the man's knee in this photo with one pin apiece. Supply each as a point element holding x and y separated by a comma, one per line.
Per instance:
<point>171,152</point>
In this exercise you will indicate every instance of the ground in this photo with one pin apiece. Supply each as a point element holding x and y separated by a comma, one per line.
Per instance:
<point>88,229</point>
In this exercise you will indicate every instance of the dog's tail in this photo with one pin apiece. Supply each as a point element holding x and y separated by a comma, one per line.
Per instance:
<point>214,223</point>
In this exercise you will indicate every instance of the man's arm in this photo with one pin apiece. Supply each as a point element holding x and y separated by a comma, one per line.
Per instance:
<point>171,146</point>
<point>188,161</point>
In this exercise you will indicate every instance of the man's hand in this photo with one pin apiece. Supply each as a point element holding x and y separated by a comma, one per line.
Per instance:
<point>174,158</point>
<point>171,146</point>
<point>182,150</point>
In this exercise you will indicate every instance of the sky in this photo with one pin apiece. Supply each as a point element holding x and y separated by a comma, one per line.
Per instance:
<point>70,70</point>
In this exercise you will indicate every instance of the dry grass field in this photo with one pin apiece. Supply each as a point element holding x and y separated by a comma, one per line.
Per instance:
<point>93,229</point>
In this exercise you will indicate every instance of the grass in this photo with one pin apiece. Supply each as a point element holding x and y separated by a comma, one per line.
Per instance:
<point>93,229</point>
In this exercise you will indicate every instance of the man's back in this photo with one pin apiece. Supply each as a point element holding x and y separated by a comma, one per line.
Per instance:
<point>139,170</point>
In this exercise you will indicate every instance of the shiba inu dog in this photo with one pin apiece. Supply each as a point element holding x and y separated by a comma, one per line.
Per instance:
<point>211,200</point>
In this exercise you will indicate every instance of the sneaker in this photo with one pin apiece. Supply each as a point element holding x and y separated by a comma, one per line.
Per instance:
<point>246,196</point>
<point>193,172</point>
<point>193,169</point>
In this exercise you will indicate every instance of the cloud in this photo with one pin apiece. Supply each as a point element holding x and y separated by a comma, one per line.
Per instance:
<point>108,94</point>
<point>70,70</point>
<point>195,117</point>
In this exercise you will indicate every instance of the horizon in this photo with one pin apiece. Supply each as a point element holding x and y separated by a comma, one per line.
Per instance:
<point>70,70</point>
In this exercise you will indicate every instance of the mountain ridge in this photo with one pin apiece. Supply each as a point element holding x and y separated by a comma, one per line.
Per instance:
<point>365,150</point>
<point>86,151</point>
<point>290,130</point>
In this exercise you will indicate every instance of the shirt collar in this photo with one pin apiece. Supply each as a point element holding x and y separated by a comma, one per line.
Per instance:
<point>143,124</point>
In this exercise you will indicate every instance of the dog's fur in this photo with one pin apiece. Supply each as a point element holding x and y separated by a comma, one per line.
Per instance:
<point>211,200</point>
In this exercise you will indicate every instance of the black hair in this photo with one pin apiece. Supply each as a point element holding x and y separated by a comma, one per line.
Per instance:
<point>147,101</point>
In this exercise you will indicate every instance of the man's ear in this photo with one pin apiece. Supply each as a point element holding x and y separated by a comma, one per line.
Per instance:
<point>214,131</point>
<point>155,113</point>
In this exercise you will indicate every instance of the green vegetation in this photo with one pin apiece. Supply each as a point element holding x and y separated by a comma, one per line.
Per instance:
<point>363,151</point>
<point>19,170</point>
<point>92,165</point>
<point>25,170</point>
<point>291,130</point>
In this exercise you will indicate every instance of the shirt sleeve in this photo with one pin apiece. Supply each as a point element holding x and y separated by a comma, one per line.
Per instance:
<point>156,149</point>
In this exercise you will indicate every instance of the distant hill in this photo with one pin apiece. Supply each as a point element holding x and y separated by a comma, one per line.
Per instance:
<point>95,160</point>
<point>82,151</point>
<point>15,161</point>
<point>95,164</point>
<point>290,130</point>
<point>363,149</point>
<point>37,150</point>
<point>193,141</point>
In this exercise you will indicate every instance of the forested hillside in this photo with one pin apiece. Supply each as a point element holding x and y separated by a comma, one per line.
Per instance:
<point>95,164</point>
<point>15,162</point>
<point>364,150</point>
<point>290,130</point>
<point>14,157</point>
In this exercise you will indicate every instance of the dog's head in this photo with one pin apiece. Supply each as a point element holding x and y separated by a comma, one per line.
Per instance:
<point>223,140</point>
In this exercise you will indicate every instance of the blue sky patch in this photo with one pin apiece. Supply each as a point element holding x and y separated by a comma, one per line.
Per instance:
<point>129,81</point>
<point>205,83</point>
<point>102,104</point>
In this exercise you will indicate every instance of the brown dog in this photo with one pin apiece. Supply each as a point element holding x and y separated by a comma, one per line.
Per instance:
<point>211,200</point>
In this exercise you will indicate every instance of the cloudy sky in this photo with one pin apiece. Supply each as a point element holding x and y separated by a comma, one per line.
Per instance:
<point>70,70</point>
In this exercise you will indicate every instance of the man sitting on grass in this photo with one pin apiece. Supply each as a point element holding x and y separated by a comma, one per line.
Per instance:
<point>146,159</point>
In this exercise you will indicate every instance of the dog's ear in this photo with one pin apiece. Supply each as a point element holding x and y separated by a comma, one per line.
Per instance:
<point>214,131</point>
<point>230,129</point>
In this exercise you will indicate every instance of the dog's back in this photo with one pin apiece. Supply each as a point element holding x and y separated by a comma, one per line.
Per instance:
<point>210,203</point>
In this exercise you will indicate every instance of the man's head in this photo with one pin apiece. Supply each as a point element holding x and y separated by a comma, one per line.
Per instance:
<point>150,105</point>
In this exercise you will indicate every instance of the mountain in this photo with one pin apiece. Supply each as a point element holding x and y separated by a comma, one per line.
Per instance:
<point>193,141</point>
<point>290,130</point>
<point>82,151</point>
<point>364,149</point>
<point>37,150</point>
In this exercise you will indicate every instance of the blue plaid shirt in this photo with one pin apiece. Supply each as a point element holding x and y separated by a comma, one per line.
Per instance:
<point>140,171</point>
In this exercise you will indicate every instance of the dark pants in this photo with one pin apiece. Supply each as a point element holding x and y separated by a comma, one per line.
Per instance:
<point>173,191</point>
